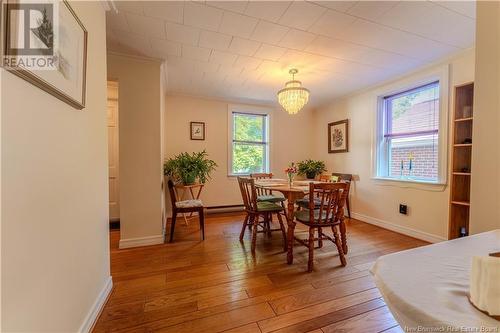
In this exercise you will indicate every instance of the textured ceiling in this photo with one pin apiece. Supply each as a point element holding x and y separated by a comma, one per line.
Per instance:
<point>242,50</point>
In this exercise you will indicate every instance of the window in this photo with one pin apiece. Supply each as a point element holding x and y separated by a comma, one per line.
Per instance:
<point>409,135</point>
<point>250,145</point>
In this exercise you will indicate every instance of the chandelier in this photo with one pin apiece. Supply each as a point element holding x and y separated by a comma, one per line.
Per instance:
<point>293,97</point>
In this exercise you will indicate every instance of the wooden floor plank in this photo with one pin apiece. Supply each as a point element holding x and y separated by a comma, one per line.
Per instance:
<point>219,286</point>
<point>370,322</point>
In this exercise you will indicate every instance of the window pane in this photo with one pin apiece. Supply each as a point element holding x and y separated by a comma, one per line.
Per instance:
<point>414,111</point>
<point>248,127</point>
<point>248,158</point>
<point>424,153</point>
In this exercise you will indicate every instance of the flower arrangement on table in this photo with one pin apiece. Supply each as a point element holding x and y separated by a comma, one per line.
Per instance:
<point>291,171</point>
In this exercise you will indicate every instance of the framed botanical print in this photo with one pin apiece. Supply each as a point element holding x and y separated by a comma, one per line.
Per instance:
<point>338,136</point>
<point>49,49</point>
<point>197,130</point>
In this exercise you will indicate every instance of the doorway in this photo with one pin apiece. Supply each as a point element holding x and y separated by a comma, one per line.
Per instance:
<point>113,152</point>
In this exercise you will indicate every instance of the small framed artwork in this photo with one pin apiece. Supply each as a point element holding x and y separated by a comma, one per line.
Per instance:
<point>338,136</point>
<point>197,130</point>
<point>50,52</point>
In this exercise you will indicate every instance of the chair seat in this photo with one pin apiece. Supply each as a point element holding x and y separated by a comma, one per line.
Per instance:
<point>189,203</point>
<point>304,203</point>
<point>303,216</point>
<point>270,198</point>
<point>266,206</point>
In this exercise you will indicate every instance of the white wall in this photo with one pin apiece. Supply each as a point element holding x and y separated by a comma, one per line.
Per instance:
<point>139,104</point>
<point>55,251</point>
<point>370,200</point>
<point>291,140</point>
<point>485,181</point>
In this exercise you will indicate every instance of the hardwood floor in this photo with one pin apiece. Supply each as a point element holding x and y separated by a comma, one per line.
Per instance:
<point>217,286</point>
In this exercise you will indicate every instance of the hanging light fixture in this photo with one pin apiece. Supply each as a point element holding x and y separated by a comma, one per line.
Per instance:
<point>293,97</point>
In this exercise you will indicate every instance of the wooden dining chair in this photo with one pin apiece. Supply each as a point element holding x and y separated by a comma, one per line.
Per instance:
<point>345,177</point>
<point>258,213</point>
<point>265,194</point>
<point>185,206</point>
<point>330,213</point>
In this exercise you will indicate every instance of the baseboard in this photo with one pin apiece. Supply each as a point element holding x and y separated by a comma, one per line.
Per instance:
<point>141,241</point>
<point>399,229</point>
<point>95,311</point>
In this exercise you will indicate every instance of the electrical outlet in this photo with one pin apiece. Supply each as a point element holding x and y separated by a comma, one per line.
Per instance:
<point>403,209</point>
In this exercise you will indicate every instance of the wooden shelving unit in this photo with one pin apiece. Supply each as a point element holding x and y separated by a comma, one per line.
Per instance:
<point>461,161</point>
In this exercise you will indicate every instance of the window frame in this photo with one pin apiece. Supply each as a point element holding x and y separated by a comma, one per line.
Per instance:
<point>380,154</point>
<point>251,111</point>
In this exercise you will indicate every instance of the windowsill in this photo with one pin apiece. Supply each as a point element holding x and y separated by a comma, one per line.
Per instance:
<point>410,183</point>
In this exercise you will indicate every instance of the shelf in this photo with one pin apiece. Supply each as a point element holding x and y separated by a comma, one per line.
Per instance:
<point>461,173</point>
<point>461,203</point>
<point>463,119</point>
<point>462,145</point>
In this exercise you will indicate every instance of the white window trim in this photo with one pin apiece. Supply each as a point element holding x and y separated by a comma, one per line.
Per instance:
<point>250,110</point>
<point>440,74</point>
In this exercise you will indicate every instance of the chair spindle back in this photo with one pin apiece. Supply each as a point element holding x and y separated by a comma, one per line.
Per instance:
<point>332,199</point>
<point>248,193</point>
<point>258,176</point>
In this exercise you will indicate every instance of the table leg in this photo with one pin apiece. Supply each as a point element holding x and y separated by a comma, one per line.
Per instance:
<point>291,228</point>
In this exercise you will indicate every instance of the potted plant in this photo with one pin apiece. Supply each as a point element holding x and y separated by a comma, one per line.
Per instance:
<point>187,168</point>
<point>311,168</point>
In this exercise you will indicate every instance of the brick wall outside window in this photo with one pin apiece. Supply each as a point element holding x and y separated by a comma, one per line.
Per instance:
<point>425,161</point>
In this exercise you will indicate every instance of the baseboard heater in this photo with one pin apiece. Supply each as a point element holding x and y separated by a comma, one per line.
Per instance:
<point>224,209</point>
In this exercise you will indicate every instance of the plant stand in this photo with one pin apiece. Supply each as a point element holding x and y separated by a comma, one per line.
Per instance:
<point>183,192</point>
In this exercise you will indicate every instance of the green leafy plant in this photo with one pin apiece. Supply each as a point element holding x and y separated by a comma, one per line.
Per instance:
<point>311,168</point>
<point>187,168</point>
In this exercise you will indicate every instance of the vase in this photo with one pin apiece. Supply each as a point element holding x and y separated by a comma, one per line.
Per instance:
<point>290,180</point>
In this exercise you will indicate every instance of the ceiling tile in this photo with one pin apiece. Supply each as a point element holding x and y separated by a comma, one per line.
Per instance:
<point>195,53</point>
<point>237,25</point>
<point>331,23</point>
<point>233,6</point>
<point>269,32</point>
<point>225,58</point>
<point>371,10</point>
<point>297,39</point>
<point>335,48</point>
<point>267,10</point>
<point>201,16</point>
<point>270,52</point>
<point>301,15</point>
<point>129,6</point>
<point>135,41</point>
<point>117,21</point>
<point>243,46</point>
<point>247,62</point>
<point>214,40</point>
<point>182,34</point>
<point>146,25</point>
<point>340,6</point>
<point>467,8</point>
<point>163,48</point>
<point>167,10</point>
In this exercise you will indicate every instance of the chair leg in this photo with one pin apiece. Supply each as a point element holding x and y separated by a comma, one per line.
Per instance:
<point>320,237</point>
<point>310,262</point>
<point>343,236</point>
<point>255,221</point>
<point>348,208</point>
<point>243,228</point>
<point>291,228</point>
<point>339,246</point>
<point>283,232</point>
<point>201,214</point>
<point>172,227</point>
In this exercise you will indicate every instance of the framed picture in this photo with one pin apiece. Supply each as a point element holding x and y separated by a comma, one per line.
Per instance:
<point>338,136</point>
<point>54,57</point>
<point>197,130</point>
